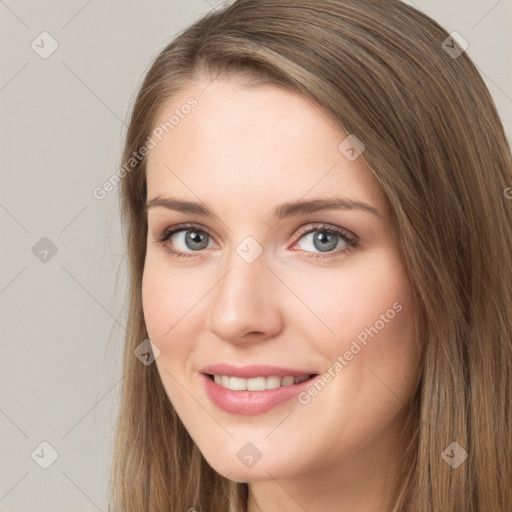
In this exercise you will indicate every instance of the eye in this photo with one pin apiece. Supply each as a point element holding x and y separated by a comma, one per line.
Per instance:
<point>328,240</point>
<point>187,237</point>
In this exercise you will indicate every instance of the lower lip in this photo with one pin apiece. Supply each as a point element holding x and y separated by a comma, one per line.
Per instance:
<point>251,402</point>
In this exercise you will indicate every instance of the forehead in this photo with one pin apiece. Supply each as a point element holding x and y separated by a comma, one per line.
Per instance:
<point>245,143</point>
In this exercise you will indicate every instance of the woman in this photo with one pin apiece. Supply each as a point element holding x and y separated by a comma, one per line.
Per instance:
<point>320,246</point>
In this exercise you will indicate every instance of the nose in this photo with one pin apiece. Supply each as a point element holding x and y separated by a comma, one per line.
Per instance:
<point>245,303</point>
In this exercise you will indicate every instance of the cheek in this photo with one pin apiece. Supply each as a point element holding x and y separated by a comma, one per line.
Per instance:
<point>368,298</point>
<point>368,339</point>
<point>174,304</point>
<point>373,355</point>
<point>168,296</point>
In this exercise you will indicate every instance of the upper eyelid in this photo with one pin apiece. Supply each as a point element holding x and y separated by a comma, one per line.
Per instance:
<point>312,226</point>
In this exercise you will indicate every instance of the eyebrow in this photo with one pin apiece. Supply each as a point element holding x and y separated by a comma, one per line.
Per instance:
<point>289,209</point>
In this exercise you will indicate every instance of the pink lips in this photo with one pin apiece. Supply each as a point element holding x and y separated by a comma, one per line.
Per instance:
<point>251,402</point>
<point>256,370</point>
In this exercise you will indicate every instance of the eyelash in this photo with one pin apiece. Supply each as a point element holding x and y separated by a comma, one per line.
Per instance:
<point>351,241</point>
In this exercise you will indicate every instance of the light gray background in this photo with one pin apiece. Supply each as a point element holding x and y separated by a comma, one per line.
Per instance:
<point>62,126</point>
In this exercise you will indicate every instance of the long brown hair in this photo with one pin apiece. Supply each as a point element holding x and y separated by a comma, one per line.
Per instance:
<point>433,139</point>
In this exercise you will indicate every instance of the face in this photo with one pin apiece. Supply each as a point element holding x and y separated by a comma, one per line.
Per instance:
<point>286,332</point>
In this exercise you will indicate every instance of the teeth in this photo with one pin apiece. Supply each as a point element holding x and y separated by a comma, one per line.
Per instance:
<point>237,383</point>
<point>287,381</point>
<point>273,382</point>
<point>257,383</point>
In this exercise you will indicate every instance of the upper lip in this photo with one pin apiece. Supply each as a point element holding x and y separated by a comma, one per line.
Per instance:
<point>256,370</point>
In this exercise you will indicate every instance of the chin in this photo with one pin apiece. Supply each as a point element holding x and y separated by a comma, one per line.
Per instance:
<point>235,470</point>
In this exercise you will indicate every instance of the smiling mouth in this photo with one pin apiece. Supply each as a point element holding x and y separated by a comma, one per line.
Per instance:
<point>258,383</point>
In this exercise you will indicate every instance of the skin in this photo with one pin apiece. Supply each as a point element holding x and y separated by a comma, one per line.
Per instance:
<point>242,151</point>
